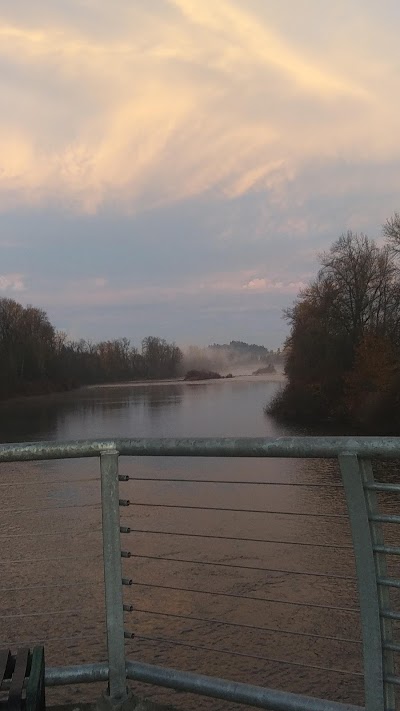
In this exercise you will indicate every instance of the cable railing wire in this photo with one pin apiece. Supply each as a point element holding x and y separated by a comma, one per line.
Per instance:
<point>269,660</point>
<point>243,567</point>
<point>52,613</point>
<point>242,625</point>
<point>75,584</point>
<point>232,481</point>
<point>28,642</point>
<point>256,511</point>
<point>351,610</point>
<point>39,509</point>
<point>51,560</point>
<point>52,481</point>
<point>127,529</point>
<point>51,534</point>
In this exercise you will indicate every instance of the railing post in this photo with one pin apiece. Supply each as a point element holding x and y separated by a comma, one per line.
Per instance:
<point>378,539</point>
<point>367,582</point>
<point>113,577</point>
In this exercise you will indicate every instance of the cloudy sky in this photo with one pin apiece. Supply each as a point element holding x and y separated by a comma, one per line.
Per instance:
<point>173,167</point>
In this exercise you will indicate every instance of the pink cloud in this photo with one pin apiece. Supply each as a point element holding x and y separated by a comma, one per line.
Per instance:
<point>99,291</point>
<point>12,282</point>
<point>265,285</point>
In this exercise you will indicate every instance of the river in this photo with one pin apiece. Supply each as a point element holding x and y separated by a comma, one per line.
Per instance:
<point>51,563</point>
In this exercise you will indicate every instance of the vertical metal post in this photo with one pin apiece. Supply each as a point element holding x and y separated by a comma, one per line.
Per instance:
<point>113,576</point>
<point>367,583</point>
<point>381,572</point>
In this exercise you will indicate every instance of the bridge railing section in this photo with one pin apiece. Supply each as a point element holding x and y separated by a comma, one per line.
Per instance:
<point>209,573</point>
<point>51,552</point>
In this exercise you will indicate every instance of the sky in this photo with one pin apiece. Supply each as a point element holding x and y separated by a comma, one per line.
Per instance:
<point>175,167</point>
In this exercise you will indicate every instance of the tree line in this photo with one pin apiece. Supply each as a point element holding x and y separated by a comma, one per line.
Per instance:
<point>343,351</point>
<point>35,357</point>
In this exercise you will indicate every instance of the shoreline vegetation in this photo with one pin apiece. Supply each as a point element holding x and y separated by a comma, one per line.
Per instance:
<point>38,360</point>
<point>193,375</point>
<point>343,351</point>
<point>267,370</point>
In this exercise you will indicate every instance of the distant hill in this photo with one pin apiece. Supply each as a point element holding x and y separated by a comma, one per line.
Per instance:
<point>241,352</point>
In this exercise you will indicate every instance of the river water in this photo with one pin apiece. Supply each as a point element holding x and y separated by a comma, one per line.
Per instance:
<point>285,615</point>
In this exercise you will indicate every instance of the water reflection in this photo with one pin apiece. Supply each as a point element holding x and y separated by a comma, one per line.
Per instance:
<point>84,413</point>
<point>156,410</point>
<point>29,420</point>
<point>158,401</point>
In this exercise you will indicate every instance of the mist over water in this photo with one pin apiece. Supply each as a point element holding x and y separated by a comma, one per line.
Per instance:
<point>228,359</point>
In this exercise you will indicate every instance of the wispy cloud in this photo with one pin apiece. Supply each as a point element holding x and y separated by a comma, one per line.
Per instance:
<point>99,291</point>
<point>197,96</point>
<point>12,283</point>
<point>266,286</point>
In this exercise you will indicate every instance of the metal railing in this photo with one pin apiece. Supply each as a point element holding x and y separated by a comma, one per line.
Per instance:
<point>368,524</point>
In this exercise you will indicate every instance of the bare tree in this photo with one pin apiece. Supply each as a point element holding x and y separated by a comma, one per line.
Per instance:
<point>391,230</point>
<point>343,325</point>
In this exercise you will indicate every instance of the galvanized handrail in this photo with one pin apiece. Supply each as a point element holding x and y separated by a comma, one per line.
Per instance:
<point>297,447</point>
<point>354,456</point>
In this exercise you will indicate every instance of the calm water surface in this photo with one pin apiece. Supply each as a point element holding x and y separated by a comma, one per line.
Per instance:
<point>269,624</point>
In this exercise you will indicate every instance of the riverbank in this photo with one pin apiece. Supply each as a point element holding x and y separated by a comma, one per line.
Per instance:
<point>376,413</point>
<point>54,394</point>
<point>271,378</point>
<point>38,390</point>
